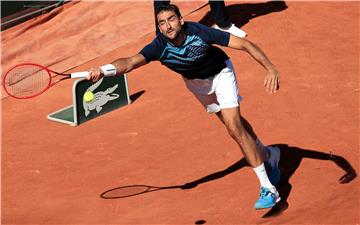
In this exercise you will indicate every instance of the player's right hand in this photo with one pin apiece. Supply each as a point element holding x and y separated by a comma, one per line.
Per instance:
<point>272,81</point>
<point>95,74</point>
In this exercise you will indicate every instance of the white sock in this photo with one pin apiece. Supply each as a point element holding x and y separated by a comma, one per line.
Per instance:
<point>263,177</point>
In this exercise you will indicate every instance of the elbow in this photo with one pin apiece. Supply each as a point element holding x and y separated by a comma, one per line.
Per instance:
<point>239,43</point>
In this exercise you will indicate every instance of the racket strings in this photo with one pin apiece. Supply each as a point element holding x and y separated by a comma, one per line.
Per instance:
<point>24,81</point>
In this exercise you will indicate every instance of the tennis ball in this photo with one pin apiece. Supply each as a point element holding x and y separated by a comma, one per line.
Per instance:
<point>89,96</point>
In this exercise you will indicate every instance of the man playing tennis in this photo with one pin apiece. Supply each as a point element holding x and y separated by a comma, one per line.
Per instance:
<point>187,48</point>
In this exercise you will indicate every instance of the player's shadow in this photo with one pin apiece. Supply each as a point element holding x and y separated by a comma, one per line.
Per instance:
<point>241,14</point>
<point>290,160</point>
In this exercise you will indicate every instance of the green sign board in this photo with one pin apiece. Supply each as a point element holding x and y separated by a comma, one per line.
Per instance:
<point>109,93</point>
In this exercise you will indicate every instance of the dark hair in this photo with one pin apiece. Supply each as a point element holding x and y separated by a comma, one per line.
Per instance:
<point>169,7</point>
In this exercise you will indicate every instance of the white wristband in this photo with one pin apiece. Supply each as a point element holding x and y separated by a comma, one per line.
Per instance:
<point>108,70</point>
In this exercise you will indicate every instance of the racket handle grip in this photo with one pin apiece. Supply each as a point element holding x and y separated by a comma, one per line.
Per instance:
<point>80,74</point>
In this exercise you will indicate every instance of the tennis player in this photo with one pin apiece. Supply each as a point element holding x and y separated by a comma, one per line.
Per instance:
<point>188,49</point>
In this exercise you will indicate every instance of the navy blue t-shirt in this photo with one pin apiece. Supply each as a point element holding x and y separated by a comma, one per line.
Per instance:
<point>196,57</point>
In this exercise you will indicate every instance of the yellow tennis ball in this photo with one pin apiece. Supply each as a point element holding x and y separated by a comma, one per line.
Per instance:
<point>89,96</point>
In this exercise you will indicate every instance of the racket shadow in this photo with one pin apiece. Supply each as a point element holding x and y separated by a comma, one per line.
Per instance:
<point>134,190</point>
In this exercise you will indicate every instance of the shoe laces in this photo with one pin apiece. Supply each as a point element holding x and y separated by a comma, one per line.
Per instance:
<point>265,192</point>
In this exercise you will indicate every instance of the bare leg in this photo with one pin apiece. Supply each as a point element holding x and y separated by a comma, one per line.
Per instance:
<point>231,117</point>
<point>246,125</point>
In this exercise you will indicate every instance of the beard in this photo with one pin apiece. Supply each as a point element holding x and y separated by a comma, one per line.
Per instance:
<point>174,36</point>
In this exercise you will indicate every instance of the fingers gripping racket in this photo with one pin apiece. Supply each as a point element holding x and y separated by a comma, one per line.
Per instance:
<point>29,80</point>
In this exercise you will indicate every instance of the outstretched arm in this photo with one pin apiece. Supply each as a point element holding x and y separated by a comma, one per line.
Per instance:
<point>272,78</point>
<point>122,65</point>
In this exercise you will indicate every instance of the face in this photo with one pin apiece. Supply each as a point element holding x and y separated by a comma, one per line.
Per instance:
<point>170,24</point>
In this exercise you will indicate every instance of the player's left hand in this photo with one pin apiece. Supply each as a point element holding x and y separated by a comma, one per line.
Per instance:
<point>272,81</point>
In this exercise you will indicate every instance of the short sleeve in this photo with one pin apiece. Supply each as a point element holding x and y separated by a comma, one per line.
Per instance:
<point>152,51</point>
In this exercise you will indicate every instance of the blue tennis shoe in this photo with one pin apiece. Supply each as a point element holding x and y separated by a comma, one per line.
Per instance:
<point>268,198</point>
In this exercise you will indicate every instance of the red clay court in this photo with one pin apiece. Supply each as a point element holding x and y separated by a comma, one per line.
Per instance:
<point>53,173</point>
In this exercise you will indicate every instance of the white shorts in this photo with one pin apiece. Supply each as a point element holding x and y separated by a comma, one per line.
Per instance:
<point>217,92</point>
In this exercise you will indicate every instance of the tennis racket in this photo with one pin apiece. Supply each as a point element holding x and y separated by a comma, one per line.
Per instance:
<point>28,80</point>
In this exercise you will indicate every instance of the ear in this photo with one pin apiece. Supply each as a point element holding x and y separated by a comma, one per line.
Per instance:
<point>182,21</point>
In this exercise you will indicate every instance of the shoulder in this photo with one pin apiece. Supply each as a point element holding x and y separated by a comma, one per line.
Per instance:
<point>152,51</point>
<point>208,34</point>
<point>159,41</point>
<point>195,28</point>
